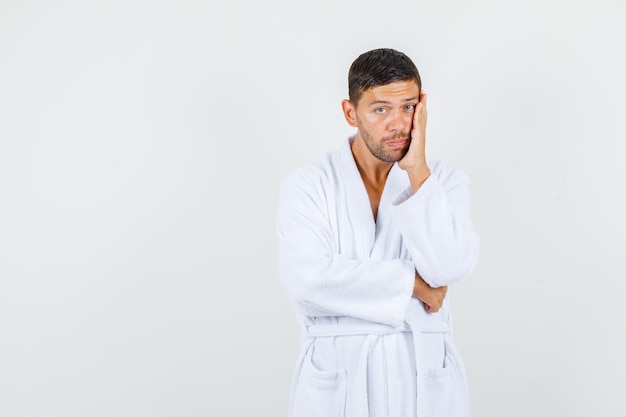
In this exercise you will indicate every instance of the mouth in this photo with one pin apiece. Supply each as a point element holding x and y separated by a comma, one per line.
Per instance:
<point>397,143</point>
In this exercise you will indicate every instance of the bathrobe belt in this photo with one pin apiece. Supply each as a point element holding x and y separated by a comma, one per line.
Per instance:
<point>373,331</point>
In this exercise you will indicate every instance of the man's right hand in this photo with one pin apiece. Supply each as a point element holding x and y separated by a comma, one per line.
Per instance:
<point>432,298</point>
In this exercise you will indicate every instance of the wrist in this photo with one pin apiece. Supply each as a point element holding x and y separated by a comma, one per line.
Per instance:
<point>419,286</point>
<point>417,175</point>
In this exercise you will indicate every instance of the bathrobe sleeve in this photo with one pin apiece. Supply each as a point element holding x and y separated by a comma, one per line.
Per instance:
<point>436,227</point>
<point>318,278</point>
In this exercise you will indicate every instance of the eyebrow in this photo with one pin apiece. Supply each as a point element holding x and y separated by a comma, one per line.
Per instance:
<point>389,102</point>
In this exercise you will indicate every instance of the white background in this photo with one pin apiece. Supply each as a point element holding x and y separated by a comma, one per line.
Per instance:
<point>141,148</point>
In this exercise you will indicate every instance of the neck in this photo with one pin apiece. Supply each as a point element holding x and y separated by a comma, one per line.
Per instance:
<point>373,170</point>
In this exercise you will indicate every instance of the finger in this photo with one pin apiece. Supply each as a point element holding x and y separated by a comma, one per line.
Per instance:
<point>419,111</point>
<point>420,108</point>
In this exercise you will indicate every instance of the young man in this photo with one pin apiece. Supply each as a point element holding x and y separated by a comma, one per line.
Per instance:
<point>370,236</point>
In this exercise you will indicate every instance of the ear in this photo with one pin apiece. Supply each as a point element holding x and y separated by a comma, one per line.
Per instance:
<point>349,112</point>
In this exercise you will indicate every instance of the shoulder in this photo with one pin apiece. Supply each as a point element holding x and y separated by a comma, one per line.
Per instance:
<point>311,178</point>
<point>447,173</point>
<point>311,171</point>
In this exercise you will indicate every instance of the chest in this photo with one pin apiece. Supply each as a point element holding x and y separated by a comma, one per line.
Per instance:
<point>374,194</point>
<point>362,222</point>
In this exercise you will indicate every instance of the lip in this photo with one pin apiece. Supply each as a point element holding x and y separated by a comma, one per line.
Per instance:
<point>397,143</point>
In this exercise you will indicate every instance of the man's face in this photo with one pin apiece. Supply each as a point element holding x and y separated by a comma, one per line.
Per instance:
<point>384,117</point>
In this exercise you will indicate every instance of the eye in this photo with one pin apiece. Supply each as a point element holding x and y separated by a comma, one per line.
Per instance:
<point>410,107</point>
<point>380,110</point>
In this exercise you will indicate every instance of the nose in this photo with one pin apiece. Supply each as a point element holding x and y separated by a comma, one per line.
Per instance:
<point>399,121</point>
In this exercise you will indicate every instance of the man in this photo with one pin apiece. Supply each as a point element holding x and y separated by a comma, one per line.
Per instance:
<point>370,236</point>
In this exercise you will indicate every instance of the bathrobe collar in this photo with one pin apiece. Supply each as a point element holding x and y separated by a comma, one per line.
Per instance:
<point>394,185</point>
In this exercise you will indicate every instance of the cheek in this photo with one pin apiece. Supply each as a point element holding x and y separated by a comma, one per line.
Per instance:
<point>373,122</point>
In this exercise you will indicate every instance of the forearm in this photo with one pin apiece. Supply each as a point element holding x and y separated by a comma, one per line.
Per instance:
<point>324,284</point>
<point>437,229</point>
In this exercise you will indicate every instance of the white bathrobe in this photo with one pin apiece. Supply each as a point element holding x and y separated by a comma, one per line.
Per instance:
<point>368,347</point>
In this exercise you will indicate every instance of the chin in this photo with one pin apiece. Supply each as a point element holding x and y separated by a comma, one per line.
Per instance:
<point>402,153</point>
<point>391,156</point>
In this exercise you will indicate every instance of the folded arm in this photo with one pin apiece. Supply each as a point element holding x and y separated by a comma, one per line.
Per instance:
<point>322,282</point>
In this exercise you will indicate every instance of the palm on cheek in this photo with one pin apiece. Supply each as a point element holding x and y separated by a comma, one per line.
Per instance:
<point>416,153</point>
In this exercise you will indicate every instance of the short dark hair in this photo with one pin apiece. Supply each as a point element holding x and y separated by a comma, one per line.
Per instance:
<point>379,67</point>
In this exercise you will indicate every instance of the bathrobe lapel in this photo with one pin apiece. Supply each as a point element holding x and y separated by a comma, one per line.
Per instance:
<point>368,229</point>
<point>363,217</point>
